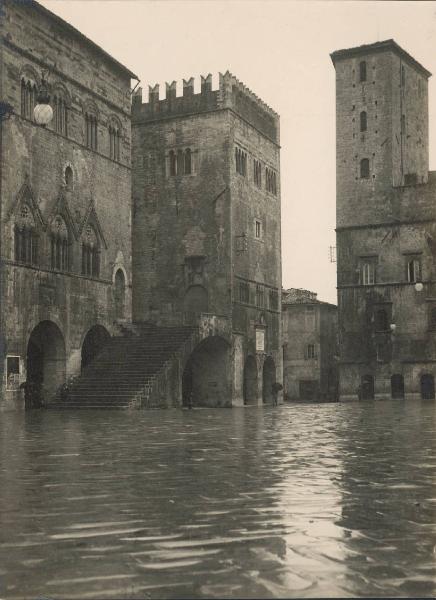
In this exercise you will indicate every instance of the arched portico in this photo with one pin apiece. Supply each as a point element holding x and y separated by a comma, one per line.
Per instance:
<point>269,379</point>
<point>45,361</point>
<point>205,380</point>
<point>94,342</point>
<point>250,381</point>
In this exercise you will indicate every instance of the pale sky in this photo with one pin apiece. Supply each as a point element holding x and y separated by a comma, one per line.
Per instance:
<point>280,50</point>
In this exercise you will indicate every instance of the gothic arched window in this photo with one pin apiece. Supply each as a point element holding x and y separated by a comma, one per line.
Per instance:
<point>90,253</point>
<point>60,110</point>
<point>114,141</point>
<point>59,245</point>
<point>26,237</point>
<point>28,97</point>
<point>91,130</point>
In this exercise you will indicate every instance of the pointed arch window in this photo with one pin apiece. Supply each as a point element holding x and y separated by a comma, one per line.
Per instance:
<point>60,110</point>
<point>188,162</point>
<point>26,237</point>
<point>90,253</point>
<point>173,163</point>
<point>91,130</point>
<point>28,97</point>
<point>59,245</point>
<point>114,142</point>
<point>180,162</point>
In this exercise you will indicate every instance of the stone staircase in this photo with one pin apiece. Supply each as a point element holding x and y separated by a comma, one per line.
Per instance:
<point>130,369</point>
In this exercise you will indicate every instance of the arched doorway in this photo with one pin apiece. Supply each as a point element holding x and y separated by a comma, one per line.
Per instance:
<point>45,361</point>
<point>120,293</point>
<point>397,386</point>
<point>367,387</point>
<point>269,379</point>
<point>427,386</point>
<point>205,380</point>
<point>195,302</point>
<point>250,381</point>
<point>94,342</point>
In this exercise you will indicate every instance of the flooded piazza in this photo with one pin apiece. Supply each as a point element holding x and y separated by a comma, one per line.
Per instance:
<point>296,501</point>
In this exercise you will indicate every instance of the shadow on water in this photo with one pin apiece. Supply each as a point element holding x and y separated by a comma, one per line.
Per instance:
<point>303,501</point>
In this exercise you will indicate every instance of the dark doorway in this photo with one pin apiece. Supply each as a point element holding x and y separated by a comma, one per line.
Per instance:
<point>397,386</point>
<point>427,387</point>
<point>94,342</point>
<point>367,387</point>
<point>308,389</point>
<point>250,381</point>
<point>205,380</point>
<point>120,294</point>
<point>195,302</point>
<point>269,379</point>
<point>45,361</point>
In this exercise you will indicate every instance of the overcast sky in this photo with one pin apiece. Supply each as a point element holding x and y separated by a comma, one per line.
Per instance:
<point>279,49</point>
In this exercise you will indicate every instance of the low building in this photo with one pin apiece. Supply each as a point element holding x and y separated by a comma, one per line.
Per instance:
<point>310,347</point>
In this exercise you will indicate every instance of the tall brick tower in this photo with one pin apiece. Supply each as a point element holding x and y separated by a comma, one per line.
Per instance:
<point>206,233</point>
<point>386,231</point>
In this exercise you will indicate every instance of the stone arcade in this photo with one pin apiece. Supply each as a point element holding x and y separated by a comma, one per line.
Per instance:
<point>205,230</point>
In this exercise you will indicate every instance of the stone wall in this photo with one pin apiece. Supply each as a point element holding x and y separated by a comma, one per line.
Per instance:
<point>62,183</point>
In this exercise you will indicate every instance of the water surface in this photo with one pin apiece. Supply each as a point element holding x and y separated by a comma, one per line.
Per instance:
<point>305,501</point>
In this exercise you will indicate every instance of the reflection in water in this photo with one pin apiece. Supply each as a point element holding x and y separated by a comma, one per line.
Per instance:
<point>314,500</point>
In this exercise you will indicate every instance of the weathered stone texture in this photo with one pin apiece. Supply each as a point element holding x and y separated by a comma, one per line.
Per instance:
<point>194,234</point>
<point>34,163</point>
<point>386,219</point>
<point>308,321</point>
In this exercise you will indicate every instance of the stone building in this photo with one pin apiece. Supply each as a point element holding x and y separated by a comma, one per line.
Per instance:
<point>386,225</point>
<point>65,201</point>
<point>310,347</point>
<point>206,235</point>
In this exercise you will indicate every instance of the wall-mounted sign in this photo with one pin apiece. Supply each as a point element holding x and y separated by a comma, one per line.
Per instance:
<point>260,340</point>
<point>13,375</point>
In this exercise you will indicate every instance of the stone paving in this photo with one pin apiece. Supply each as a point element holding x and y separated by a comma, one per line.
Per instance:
<point>296,501</point>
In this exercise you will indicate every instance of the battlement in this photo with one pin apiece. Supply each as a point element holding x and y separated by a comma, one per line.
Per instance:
<point>231,94</point>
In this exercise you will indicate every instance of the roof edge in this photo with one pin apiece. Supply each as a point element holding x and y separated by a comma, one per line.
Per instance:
<point>83,37</point>
<point>379,47</point>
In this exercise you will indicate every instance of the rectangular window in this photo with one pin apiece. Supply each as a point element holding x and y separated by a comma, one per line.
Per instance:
<point>367,272</point>
<point>310,351</point>
<point>244,292</point>
<point>260,298</point>
<point>273,300</point>
<point>257,229</point>
<point>413,269</point>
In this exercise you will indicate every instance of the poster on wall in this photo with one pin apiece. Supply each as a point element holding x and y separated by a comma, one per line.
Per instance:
<point>260,340</point>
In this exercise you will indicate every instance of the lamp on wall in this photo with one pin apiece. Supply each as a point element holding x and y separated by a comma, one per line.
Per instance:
<point>419,286</point>
<point>43,112</point>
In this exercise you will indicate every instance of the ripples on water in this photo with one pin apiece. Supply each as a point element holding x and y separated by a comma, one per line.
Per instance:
<point>310,500</point>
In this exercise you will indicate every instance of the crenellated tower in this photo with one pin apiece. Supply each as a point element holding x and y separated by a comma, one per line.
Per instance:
<point>206,225</point>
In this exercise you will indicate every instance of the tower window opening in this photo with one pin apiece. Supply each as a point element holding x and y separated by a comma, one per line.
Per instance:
<point>363,121</point>
<point>362,71</point>
<point>414,270</point>
<point>364,168</point>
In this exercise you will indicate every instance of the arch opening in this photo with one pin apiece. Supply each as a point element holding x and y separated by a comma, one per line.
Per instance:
<point>120,293</point>
<point>397,386</point>
<point>367,387</point>
<point>269,395</point>
<point>427,386</point>
<point>205,380</point>
<point>94,342</point>
<point>250,381</point>
<point>45,364</point>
